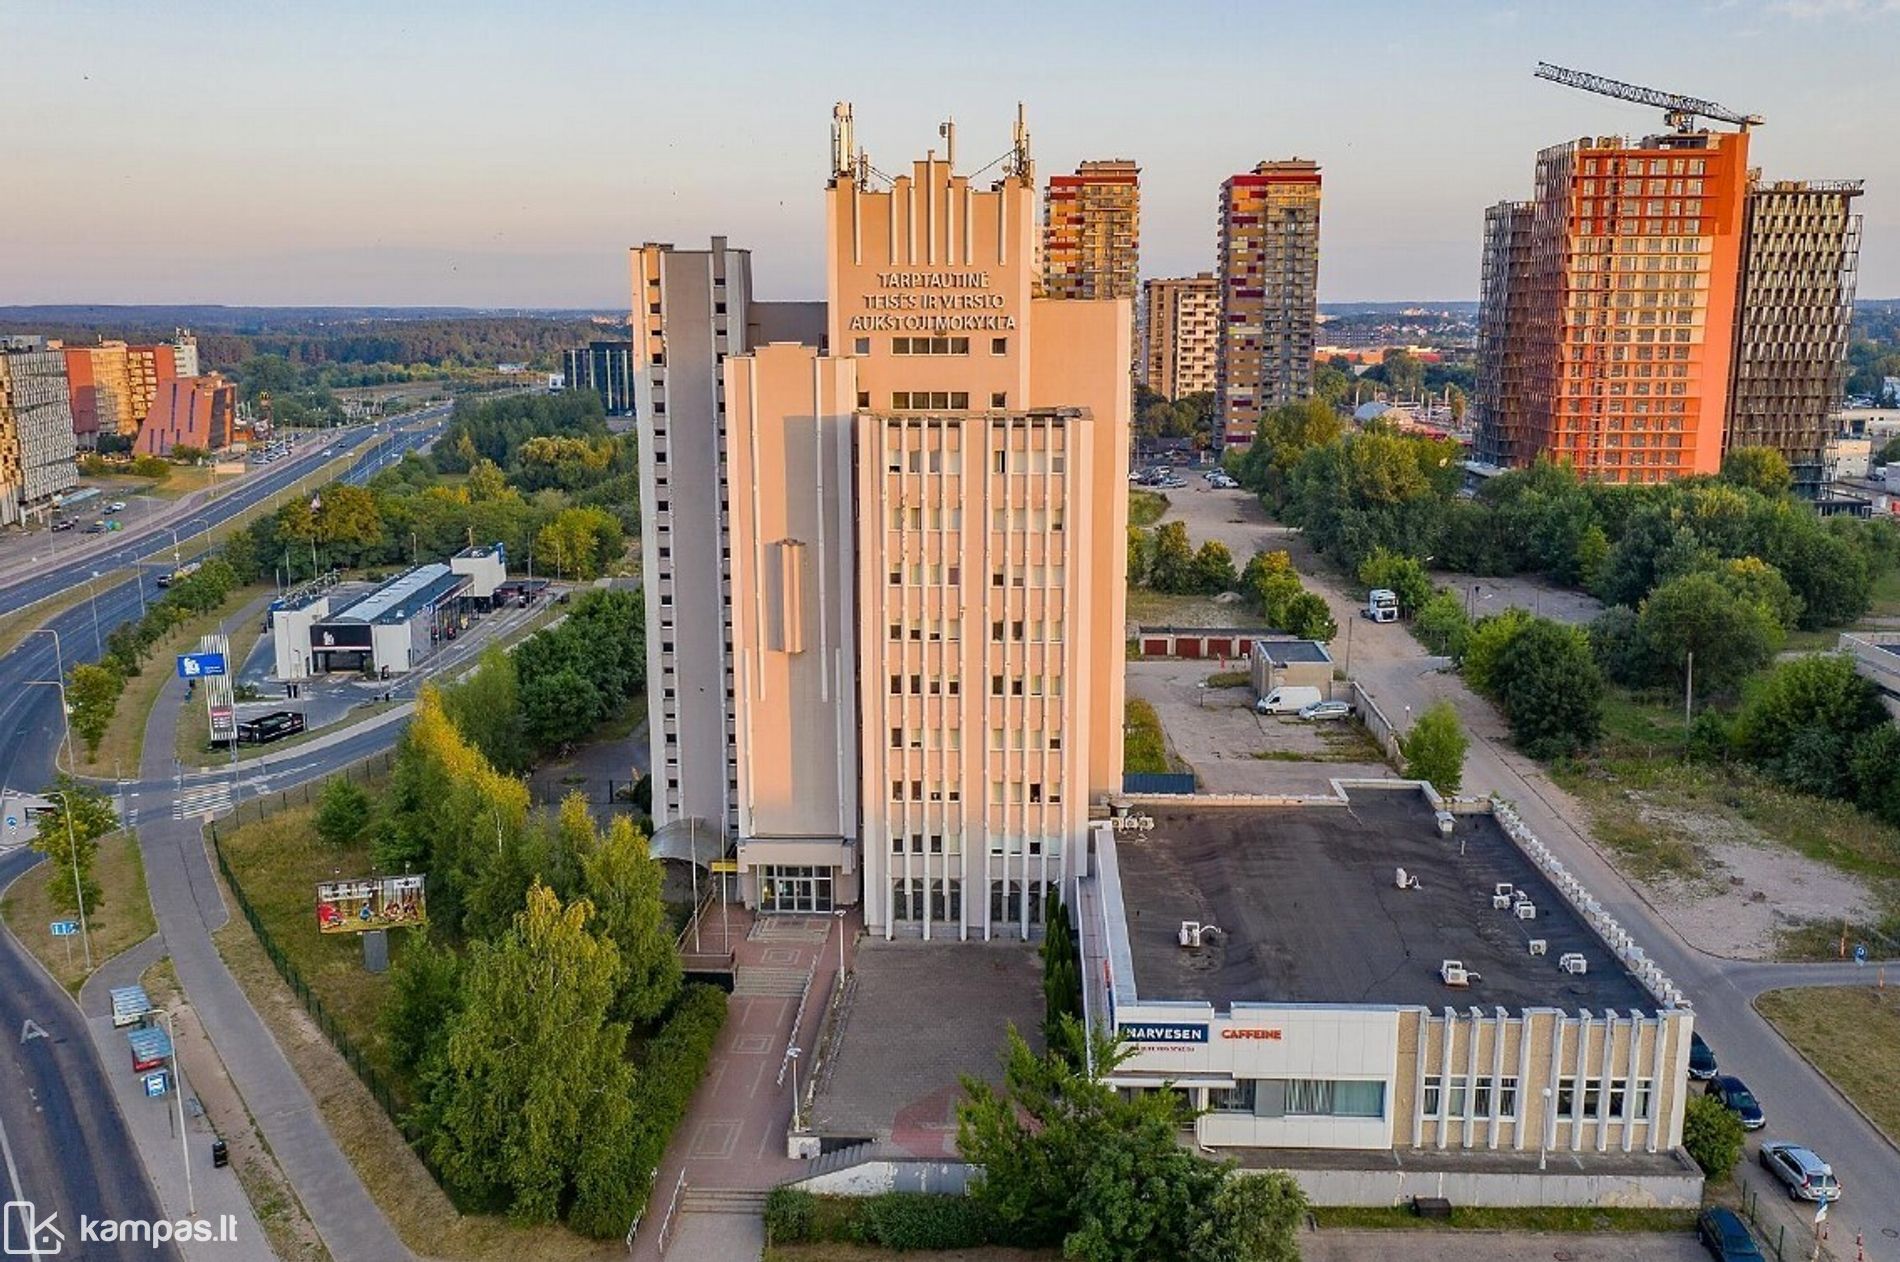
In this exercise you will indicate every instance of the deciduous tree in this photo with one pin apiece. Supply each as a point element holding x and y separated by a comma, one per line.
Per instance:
<point>1435,748</point>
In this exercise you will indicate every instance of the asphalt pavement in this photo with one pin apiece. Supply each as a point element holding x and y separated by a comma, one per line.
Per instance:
<point>65,1144</point>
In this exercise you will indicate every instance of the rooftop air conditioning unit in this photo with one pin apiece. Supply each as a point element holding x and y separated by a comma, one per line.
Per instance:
<point>1444,823</point>
<point>1540,946</point>
<point>1190,935</point>
<point>1501,896</point>
<point>1454,973</point>
<point>1406,881</point>
<point>1524,909</point>
<point>1573,962</point>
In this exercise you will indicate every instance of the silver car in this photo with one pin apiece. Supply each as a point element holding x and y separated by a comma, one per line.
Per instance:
<point>1325,710</point>
<point>1807,1177</point>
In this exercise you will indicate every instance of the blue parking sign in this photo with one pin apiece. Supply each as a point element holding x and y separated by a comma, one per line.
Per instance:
<point>200,665</point>
<point>155,1084</point>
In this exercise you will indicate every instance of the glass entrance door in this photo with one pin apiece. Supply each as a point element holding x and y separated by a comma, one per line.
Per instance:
<point>794,889</point>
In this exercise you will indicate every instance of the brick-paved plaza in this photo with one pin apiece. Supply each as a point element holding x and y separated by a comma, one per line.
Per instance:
<point>919,1015</point>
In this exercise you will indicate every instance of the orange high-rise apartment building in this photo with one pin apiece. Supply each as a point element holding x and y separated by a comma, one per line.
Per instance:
<point>1269,284</point>
<point>926,510</point>
<point>1180,334</point>
<point>1091,234</point>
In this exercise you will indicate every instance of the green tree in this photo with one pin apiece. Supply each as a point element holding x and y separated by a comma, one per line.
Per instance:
<point>1171,566</point>
<point>622,879</point>
<point>425,992</point>
<point>487,482</point>
<point>580,542</point>
<point>1138,545</point>
<point>1214,568</point>
<point>1697,615</point>
<point>1874,772</point>
<point>92,818</point>
<point>1760,469</point>
<point>1490,638</point>
<point>1753,581</point>
<point>485,707</point>
<point>1401,574</point>
<point>1713,1135</point>
<point>1592,556</point>
<point>532,1065</point>
<point>1256,1217</point>
<point>1441,626</point>
<point>93,693</point>
<point>1435,748</point>
<point>343,812</point>
<point>1308,617</point>
<point>1822,691</point>
<point>1550,690</point>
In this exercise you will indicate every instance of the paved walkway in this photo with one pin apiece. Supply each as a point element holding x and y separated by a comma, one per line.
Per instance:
<point>186,900</point>
<point>153,1122</point>
<point>733,1135</point>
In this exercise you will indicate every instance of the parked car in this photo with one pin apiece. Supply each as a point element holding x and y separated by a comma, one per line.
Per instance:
<point>110,508</point>
<point>1701,1059</point>
<point>1725,1236</point>
<point>1739,1100</point>
<point>1806,1176</point>
<point>1325,710</point>
<point>97,528</point>
<point>64,524</point>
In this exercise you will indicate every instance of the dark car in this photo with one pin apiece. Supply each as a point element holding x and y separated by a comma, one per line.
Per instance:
<point>1701,1059</point>
<point>64,524</point>
<point>1725,1236</point>
<point>1738,1099</point>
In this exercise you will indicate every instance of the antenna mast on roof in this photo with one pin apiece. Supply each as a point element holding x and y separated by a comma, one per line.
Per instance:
<point>1021,165</point>
<point>842,148</point>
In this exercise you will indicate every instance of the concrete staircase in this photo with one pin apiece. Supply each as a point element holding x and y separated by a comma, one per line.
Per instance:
<point>841,1158</point>
<point>752,980</point>
<point>721,1201</point>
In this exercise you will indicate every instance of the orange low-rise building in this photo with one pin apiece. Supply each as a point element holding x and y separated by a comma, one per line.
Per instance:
<point>190,412</point>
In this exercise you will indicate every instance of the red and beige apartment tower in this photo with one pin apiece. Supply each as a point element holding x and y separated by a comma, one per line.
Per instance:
<point>927,525</point>
<point>1269,285</point>
<point>1091,233</point>
<point>1180,334</point>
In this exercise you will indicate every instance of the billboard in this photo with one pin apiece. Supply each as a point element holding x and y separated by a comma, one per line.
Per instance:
<point>381,902</point>
<point>200,665</point>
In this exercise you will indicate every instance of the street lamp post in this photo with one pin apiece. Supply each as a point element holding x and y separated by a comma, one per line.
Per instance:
<point>92,594</point>
<point>692,834</point>
<point>178,1092</point>
<point>839,912</point>
<point>72,851</point>
<point>1549,1136</point>
<point>791,1054</point>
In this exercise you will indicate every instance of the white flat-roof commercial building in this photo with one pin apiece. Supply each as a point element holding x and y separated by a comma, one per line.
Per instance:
<point>485,565</point>
<point>392,628</point>
<point>291,621</point>
<point>1367,973</point>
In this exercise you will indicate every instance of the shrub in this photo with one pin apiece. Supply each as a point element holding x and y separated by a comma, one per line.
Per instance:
<point>1550,690</point>
<point>670,1071</point>
<point>919,1220</point>
<point>342,812</point>
<point>1441,626</point>
<point>1712,1135</point>
<point>1435,748</point>
<point>788,1215</point>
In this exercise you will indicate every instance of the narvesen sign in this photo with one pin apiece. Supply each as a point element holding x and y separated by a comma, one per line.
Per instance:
<point>1164,1032</point>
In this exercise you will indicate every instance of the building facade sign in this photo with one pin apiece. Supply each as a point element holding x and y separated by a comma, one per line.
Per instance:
<point>917,303</point>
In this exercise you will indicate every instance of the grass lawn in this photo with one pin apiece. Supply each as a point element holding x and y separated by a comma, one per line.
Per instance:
<point>1345,741</point>
<point>1556,1218</point>
<point>1155,609</point>
<point>124,742</point>
<point>122,918</point>
<point>1229,679</point>
<point>1145,508</point>
<point>1144,747</point>
<point>867,1253</point>
<point>1852,1034</point>
<point>279,862</point>
<point>1646,803</point>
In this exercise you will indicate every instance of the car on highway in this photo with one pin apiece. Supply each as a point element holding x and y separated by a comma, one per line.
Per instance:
<point>65,523</point>
<point>96,528</point>
<point>1801,1171</point>
<point>1701,1059</point>
<point>1739,1100</point>
<point>114,507</point>
<point>1724,1234</point>
<point>1325,710</point>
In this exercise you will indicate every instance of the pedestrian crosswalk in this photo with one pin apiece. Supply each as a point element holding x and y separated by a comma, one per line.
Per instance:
<point>202,798</point>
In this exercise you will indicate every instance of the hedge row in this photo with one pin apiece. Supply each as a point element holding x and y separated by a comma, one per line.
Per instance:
<point>671,1070</point>
<point>891,1220</point>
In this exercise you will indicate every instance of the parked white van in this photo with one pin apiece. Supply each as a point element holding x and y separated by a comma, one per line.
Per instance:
<point>1286,700</point>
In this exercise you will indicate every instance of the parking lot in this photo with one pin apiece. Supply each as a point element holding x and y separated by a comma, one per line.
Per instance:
<point>1233,750</point>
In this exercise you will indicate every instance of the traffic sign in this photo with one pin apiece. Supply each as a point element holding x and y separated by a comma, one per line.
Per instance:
<point>65,928</point>
<point>155,1084</point>
<point>1860,953</point>
<point>200,665</point>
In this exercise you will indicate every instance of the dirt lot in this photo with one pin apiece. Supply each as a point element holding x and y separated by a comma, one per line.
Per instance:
<point>1497,1246</point>
<point>1233,750</point>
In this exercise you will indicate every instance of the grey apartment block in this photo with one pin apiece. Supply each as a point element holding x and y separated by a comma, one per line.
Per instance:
<point>36,431</point>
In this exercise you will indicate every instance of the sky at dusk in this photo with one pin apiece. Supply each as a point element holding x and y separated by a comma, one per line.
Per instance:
<point>488,154</point>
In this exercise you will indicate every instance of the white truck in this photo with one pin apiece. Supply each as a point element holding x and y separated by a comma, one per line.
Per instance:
<point>1382,605</point>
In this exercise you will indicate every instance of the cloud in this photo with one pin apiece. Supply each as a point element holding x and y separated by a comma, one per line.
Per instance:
<point>1822,10</point>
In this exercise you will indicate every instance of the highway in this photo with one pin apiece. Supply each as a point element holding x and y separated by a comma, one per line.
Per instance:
<point>30,726</point>
<point>66,1148</point>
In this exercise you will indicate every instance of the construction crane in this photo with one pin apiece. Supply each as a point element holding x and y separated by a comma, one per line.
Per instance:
<point>1681,111</point>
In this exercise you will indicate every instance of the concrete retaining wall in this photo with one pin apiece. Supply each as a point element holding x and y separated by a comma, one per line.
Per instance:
<point>869,1178</point>
<point>1376,723</point>
<point>1393,1187</point>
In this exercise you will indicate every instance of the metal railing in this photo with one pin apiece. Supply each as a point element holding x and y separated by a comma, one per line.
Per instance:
<point>672,1208</point>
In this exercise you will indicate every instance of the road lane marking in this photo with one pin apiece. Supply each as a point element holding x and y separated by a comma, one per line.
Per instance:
<point>31,1030</point>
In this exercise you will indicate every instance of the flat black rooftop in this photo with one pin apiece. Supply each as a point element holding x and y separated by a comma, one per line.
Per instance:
<point>1310,903</point>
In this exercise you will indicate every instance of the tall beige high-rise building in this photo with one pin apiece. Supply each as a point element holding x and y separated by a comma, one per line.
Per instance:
<point>36,430</point>
<point>1181,333</point>
<point>1269,278</point>
<point>927,520</point>
<point>1091,235</point>
<point>691,310</point>
<point>1800,252</point>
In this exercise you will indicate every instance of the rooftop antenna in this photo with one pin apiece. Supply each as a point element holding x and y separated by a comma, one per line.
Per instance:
<point>1680,111</point>
<point>841,140</point>
<point>1021,165</point>
<point>948,130</point>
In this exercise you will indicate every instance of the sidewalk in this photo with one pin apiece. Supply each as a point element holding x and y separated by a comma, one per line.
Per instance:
<point>153,1122</point>
<point>188,905</point>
